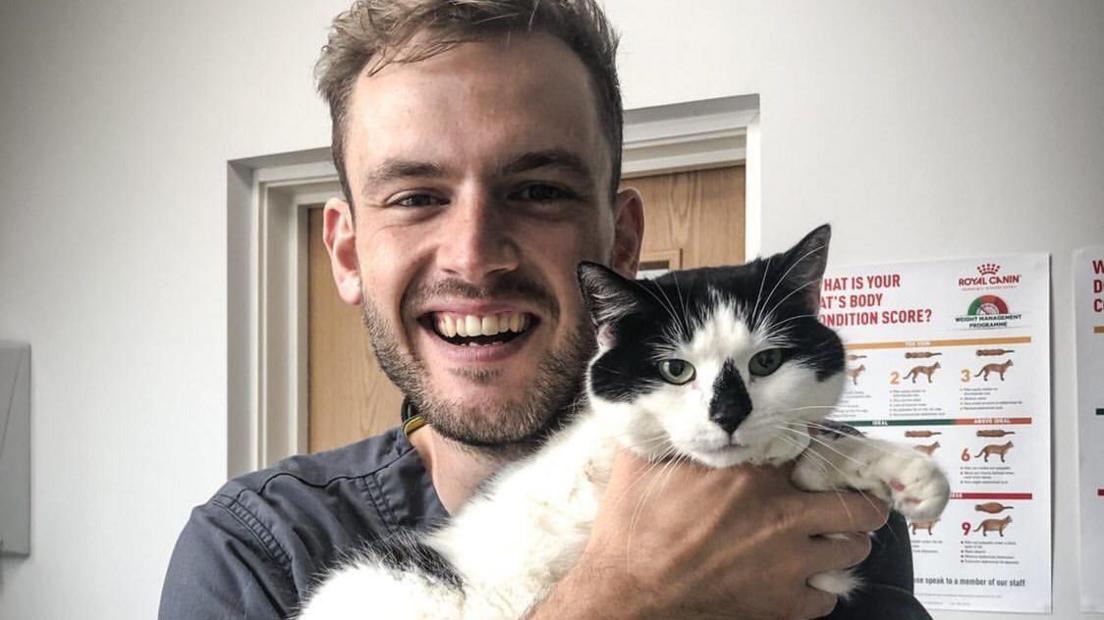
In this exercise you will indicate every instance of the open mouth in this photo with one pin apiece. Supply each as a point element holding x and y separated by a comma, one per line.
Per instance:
<point>472,330</point>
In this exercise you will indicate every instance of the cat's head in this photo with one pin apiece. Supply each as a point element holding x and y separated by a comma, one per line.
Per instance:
<point>721,364</point>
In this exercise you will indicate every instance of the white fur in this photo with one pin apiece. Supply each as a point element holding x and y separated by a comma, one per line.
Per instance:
<point>513,543</point>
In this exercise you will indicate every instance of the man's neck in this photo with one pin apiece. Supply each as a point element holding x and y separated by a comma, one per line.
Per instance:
<point>455,469</point>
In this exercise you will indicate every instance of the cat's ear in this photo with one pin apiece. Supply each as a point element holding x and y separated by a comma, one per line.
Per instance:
<point>803,267</point>
<point>608,295</point>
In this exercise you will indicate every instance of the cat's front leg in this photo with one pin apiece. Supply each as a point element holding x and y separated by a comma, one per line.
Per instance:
<point>910,481</point>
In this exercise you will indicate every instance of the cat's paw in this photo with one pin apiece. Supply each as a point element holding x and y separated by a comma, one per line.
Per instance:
<point>919,489</point>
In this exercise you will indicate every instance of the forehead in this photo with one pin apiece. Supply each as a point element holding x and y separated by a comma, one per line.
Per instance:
<point>476,105</point>
<point>722,333</point>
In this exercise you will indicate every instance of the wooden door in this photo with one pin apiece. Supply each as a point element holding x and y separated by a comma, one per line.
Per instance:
<point>695,216</point>
<point>692,219</point>
<point>349,397</point>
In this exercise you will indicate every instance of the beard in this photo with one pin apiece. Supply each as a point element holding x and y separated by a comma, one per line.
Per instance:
<point>495,427</point>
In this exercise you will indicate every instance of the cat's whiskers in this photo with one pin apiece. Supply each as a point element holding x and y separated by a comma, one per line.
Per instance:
<point>826,444</point>
<point>759,295</point>
<point>665,303</point>
<point>681,327</point>
<point>791,294</point>
<point>682,301</point>
<point>804,407</point>
<point>822,464</point>
<point>792,318</point>
<point>787,273</point>
<point>825,461</point>
<point>660,481</point>
<point>870,444</point>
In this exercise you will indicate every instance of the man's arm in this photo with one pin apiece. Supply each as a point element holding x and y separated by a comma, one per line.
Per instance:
<point>684,541</point>
<point>226,565</point>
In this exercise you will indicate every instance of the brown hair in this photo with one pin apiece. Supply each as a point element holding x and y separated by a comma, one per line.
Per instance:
<point>379,32</point>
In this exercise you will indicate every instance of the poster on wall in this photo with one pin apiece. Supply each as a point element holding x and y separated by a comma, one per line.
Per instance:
<point>953,357</point>
<point>1088,298</point>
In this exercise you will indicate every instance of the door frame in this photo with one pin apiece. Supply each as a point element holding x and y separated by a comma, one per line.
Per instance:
<point>267,201</point>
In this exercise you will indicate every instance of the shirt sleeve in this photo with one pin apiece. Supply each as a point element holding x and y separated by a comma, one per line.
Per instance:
<point>226,565</point>
<point>887,579</point>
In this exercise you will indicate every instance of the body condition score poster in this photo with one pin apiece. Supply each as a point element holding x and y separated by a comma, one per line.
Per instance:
<point>953,357</point>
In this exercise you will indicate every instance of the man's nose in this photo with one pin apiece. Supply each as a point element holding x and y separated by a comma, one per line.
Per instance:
<point>477,241</point>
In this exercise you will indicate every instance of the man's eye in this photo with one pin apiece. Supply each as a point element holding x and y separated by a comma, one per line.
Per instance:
<point>539,192</point>
<point>417,200</point>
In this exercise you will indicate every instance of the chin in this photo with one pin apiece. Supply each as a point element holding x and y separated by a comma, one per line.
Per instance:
<point>723,457</point>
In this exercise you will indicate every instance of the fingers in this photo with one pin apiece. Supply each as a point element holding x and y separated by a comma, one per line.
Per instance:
<point>844,511</point>
<point>816,603</point>
<point>838,551</point>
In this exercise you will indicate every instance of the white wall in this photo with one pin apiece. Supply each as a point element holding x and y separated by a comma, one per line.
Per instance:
<point>939,129</point>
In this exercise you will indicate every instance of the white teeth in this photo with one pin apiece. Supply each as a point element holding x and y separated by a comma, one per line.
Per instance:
<point>473,325</point>
<point>489,325</point>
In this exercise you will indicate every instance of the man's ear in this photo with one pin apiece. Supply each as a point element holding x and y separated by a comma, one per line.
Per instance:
<point>628,232</point>
<point>339,235</point>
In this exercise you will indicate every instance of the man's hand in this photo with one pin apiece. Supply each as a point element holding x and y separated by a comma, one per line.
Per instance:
<point>685,541</point>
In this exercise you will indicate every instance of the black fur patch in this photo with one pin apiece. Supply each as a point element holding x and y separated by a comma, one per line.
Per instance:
<point>731,403</point>
<point>406,553</point>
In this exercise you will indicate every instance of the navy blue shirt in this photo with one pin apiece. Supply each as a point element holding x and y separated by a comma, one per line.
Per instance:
<point>255,549</point>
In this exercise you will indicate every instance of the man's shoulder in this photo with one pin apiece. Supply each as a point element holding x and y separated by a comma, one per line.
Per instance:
<point>281,526</point>
<point>323,470</point>
<point>370,488</point>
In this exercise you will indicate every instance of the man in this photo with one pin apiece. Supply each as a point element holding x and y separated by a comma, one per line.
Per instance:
<point>478,147</point>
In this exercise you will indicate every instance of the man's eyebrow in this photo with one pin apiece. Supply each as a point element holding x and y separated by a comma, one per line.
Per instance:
<point>549,158</point>
<point>392,169</point>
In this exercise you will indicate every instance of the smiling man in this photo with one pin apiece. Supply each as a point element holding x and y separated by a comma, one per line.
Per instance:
<point>478,178</point>
<point>478,147</point>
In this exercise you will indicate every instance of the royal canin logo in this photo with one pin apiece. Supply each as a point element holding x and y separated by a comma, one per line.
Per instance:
<point>988,277</point>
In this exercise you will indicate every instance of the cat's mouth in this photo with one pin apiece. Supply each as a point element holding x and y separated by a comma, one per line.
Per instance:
<point>479,330</point>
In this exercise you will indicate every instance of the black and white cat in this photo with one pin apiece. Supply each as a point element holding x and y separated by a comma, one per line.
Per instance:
<point>722,365</point>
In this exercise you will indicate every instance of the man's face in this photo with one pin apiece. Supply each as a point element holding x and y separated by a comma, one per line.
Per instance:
<point>480,179</point>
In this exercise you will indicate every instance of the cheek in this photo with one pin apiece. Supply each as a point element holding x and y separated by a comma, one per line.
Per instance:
<point>584,235</point>
<point>794,392</point>
<point>682,410</point>
<point>388,266</point>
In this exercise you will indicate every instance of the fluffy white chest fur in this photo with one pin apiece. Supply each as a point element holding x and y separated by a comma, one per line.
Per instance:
<point>509,545</point>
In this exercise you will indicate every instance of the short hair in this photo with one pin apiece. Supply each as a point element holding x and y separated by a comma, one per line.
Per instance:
<point>375,33</point>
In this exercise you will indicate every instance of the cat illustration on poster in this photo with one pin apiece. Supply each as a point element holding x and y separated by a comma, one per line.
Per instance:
<point>922,370</point>
<point>991,525</point>
<point>927,449</point>
<point>991,368</point>
<point>854,373</point>
<point>993,448</point>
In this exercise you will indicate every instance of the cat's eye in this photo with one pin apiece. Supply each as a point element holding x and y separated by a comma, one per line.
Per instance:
<point>765,362</point>
<point>676,371</point>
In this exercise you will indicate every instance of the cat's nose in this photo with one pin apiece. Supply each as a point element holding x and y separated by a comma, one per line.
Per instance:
<point>729,418</point>
<point>730,404</point>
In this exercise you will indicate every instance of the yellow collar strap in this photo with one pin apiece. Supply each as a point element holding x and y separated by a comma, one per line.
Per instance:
<point>412,424</point>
